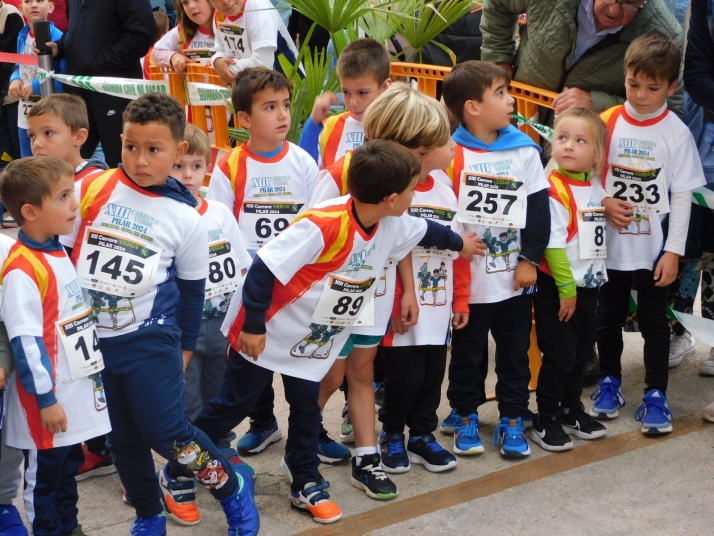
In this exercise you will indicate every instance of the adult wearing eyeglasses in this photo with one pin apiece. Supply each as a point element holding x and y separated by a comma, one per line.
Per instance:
<point>573,47</point>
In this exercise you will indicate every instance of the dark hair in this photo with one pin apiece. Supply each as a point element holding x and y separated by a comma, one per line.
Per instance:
<point>655,55</point>
<point>156,107</point>
<point>250,81</point>
<point>28,181</point>
<point>363,57</point>
<point>380,168</point>
<point>468,81</point>
<point>67,107</point>
<point>187,25</point>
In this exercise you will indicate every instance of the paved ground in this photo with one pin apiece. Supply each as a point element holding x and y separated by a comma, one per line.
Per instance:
<point>623,484</point>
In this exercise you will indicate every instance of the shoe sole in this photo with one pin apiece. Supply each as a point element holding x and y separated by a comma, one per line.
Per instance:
<point>307,512</point>
<point>707,371</point>
<point>379,496</point>
<point>545,446</point>
<point>676,362</point>
<point>395,470</point>
<point>515,453</point>
<point>415,458</point>
<point>592,413</point>
<point>334,461</point>
<point>349,438</point>
<point>707,417</point>
<point>470,452</point>
<point>656,431</point>
<point>100,471</point>
<point>446,429</point>
<point>583,435</point>
<point>272,438</point>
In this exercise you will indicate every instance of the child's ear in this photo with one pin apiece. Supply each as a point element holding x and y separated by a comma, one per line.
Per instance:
<point>389,200</point>
<point>471,108</point>
<point>180,151</point>
<point>28,212</point>
<point>672,88</point>
<point>243,119</point>
<point>81,136</point>
<point>51,7</point>
<point>386,84</point>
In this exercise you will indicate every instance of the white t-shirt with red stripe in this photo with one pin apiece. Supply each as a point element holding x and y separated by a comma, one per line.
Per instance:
<point>342,133</point>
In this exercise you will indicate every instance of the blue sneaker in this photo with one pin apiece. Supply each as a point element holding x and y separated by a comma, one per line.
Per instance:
<point>654,414</point>
<point>241,513</point>
<point>11,522</point>
<point>511,434</point>
<point>330,451</point>
<point>394,457</point>
<point>149,526</point>
<point>259,436</point>
<point>608,398</point>
<point>466,438</point>
<point>237,462</point>
<point>425,450</point>
<point>447,425</point>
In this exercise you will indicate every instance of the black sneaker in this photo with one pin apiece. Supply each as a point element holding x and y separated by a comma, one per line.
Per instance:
<point>576,421</point>
<point>427,451</point>
<point>369,475</point>
<point>549,434</point>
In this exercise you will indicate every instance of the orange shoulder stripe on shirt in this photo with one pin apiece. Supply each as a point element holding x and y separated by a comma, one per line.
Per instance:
<point>610,117</point>
<point>331,136</point>
<point>338,172</point>
<point>234,166</point>
<point>457,166</point>
<point>561,192</point>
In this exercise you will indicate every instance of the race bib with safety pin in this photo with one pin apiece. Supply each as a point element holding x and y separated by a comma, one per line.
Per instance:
<point>232,37</point>
<point>199,55</point>
<point>343,300</point>
<point>261,222</point>
<point>81,345</point>
<point>646,189</point>
<point>591,233</point>
<point>223,269</point>
<point>117,265</point>
<point>491,200</point>
<point>24,110</point>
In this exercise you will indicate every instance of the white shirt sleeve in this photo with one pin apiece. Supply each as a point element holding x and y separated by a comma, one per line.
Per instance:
<point>680,207</point>
<point>236,238</point>
<point>408,234</point>
<point>292,249</point>
<point>170,41</point>
<point>558,225</point>
<point>219,188</point>
<point>535,178</point>
<point>191,256</point>
<point>218,50</point>
<point>262,57</point>
<point>311,175</point>
<point>325,189</point>
<point>685,171</point>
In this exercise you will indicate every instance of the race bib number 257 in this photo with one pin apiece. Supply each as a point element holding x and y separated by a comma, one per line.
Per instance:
<point>491,200</point>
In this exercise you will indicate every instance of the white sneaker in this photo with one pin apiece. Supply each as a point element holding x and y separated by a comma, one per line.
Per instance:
<point>680,346</point>
<point>708,366</point>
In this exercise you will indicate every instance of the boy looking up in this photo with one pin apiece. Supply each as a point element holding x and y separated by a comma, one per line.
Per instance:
<point>514,222</point>
<point>306,289</point>
<point>363,70</point>
<point>651,168</point>
<point>265,183</point>
<point>141,253</point>
<point>51,398</point>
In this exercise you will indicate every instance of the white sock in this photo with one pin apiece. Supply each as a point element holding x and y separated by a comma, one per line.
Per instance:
<point>364,451</point>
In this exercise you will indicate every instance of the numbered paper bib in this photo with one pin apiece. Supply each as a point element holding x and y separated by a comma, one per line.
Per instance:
<point>490,200</point>
<point>646,189</point>
<point>442,215</point>
<point>343,300</point>
<point>591,233</point>
<point>24,110</point>
<point>81,345</point>
<point>232,38</point>
<point>117,265</point>
<point>223,269</point>
<point>261,222</point>
<point>432,252</point>
<point>199,55</point>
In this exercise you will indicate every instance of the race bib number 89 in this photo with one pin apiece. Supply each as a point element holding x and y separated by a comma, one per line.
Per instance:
<point>491,200</point>
<point>644,188</point>
<point>343,301</point>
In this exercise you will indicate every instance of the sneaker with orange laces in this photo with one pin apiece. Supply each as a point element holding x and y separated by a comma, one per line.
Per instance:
<point>95,465</point>
<point>178,496</point>
<point>314,501</point>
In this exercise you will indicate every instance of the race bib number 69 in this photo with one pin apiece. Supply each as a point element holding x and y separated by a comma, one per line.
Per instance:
<point>491,200</point>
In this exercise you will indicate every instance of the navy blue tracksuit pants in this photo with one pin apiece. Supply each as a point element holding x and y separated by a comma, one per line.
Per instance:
<point>51,490</point>
<point>144,384</point>
<point>243,385</point>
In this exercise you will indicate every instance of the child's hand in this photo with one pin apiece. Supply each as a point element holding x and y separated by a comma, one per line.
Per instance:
<point>322,105</point>
<point>26,91</point>
<point>567,308</point>
<point>666,270</point>
<point>178,62</point>
<point>397,326</point>
<point>3,377</point>
<point>410,310</point>
<point>187,355</point>
<point>53,418</point>
<point>251,345</point>
<point>618,213</point>
<point>223,68</point>
<point>472,246</point>
<point>526,275</point>
<point>14,91</point>
<point>460,320</point>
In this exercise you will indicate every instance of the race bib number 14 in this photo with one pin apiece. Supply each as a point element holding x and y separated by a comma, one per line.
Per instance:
<point>81,345</point>
<point>490,200</point>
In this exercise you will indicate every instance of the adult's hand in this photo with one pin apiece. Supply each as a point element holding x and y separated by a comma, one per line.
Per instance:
<point>53,48</point>
<point>571,98</point>
<point>507,67</point>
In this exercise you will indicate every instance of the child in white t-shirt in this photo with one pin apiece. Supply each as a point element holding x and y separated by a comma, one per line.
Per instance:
<point>651,167</point>
<point>192,40</point>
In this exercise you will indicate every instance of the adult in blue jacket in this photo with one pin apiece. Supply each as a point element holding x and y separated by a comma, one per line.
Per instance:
<point>105,38</point>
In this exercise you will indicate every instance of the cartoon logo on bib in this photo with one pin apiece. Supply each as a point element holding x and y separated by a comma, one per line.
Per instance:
<point>593,280</point>
<point>120,311</point>
<point>318,343</point>
<point>430,281</point>
<point>503,251</point>
<point>641,226</point>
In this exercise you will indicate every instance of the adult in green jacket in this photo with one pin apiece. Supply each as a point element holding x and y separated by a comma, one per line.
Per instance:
<point>576,51</point>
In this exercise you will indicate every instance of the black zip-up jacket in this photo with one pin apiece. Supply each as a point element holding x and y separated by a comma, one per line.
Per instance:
<point>107,37</point>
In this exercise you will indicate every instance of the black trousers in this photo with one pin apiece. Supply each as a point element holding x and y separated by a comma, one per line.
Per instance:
<point>565,345</point>
<point>105,124</point>
<point>412,387</point>
<point>509,322</point>
<point>652,317</point>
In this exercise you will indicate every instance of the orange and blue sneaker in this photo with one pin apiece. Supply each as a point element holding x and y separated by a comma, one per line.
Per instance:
<point>178,496</point>
<point>314,501</point>
<point>466,437</point>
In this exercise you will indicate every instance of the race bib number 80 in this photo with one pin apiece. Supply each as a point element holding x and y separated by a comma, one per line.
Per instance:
<point>491,200</point>
<point>646,189</point>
